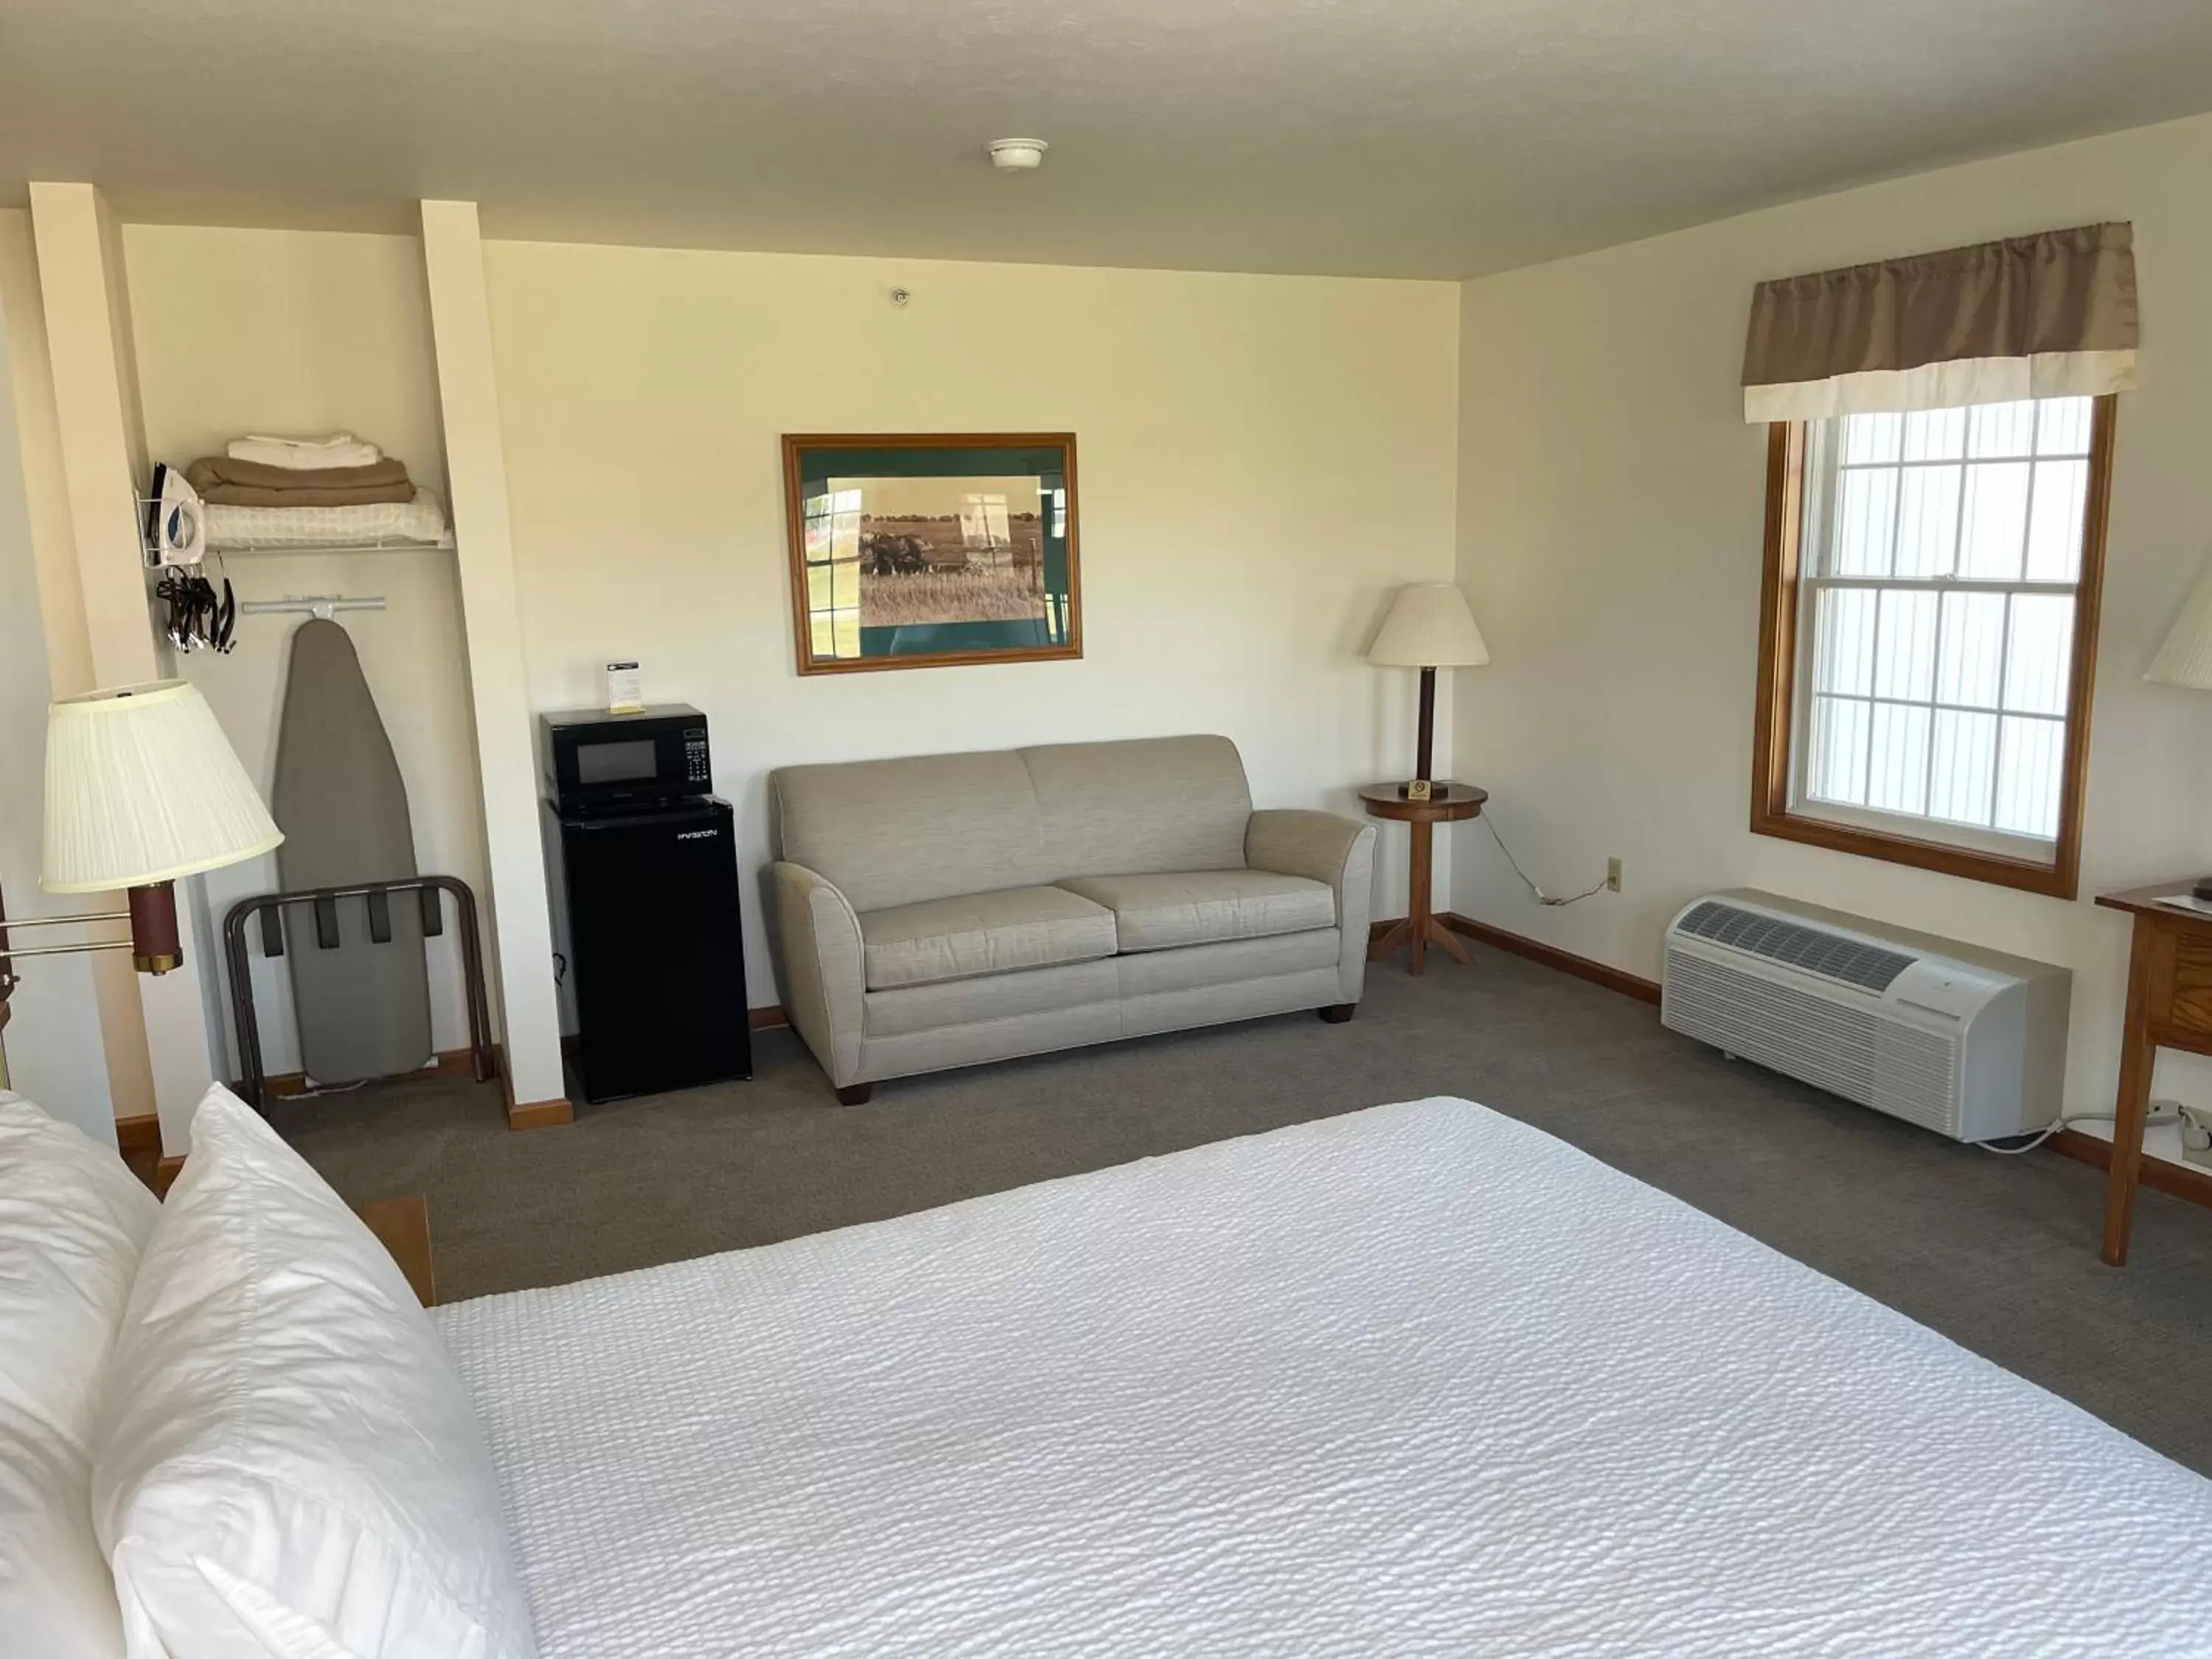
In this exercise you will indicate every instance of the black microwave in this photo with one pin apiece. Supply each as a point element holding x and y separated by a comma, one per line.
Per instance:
<point>597,762</point>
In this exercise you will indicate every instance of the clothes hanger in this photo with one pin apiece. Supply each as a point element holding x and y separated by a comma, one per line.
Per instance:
<point>199,618</point>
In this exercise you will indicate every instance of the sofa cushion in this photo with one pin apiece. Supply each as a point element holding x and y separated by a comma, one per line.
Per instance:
<point>897,832</point>
<point>1201,907</point>
<point>991,997</point>
<point>982,933</point>
<point>1145,807</point>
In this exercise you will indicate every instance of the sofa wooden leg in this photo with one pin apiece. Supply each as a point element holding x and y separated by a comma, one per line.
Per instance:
<point>856,1096</point>
<point>1336,1012</point>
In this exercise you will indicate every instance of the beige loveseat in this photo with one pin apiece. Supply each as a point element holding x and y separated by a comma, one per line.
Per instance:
<point>949,910</point>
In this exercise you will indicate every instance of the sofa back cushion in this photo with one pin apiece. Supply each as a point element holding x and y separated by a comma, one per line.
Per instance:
<point>905,831</point>
<point>1145,807</point>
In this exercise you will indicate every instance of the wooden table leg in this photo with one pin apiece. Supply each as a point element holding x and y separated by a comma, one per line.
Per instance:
<point>1392,937</point>
<point>1417,898</point>
<point>1450,943</point>
<point>2136,1056</point>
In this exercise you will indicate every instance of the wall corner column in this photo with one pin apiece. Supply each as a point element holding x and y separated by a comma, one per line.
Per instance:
<point>475,464</point>
<point>85,300</point>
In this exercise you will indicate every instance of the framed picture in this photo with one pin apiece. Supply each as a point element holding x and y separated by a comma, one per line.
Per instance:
<point>925,550</point>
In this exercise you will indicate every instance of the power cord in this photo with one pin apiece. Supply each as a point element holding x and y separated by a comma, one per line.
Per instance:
<point>2162,1112</point>
<point>1535,891</point>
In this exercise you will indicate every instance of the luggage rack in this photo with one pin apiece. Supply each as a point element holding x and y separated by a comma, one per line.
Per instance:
<point>269,907</point>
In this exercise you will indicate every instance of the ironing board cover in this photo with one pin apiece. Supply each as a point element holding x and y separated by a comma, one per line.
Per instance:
<point>363,1007</point>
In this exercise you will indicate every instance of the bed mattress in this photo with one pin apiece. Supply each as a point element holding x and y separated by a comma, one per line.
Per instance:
<point>1416,1381</point>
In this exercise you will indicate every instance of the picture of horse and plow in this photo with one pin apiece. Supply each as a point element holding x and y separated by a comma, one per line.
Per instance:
<point>939,563</point>
<point>979,559</point>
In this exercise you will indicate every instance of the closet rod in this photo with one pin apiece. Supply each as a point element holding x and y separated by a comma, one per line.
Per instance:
<point>314,604</point>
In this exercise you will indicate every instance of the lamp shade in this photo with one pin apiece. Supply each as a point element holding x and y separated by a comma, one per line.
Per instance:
<point>1428,627</point>
<point>2185,659</point>
<point>142,786</point>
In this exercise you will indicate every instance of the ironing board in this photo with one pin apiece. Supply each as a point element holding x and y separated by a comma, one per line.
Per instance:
<point>360,987</point>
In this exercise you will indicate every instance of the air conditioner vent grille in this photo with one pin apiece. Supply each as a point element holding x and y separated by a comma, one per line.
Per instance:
<point>1808,949</point>
<point>1848,1051</point>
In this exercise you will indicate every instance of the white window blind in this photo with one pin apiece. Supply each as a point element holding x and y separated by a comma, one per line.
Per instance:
<point>1941,556</point>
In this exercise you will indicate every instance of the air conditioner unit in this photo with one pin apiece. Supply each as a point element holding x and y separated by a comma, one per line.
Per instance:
<point>1968,1042</point>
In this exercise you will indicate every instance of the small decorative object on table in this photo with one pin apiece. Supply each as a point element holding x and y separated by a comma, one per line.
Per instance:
<point>925,551</point>
<point>1429,628</point>
<point>1447,803</point>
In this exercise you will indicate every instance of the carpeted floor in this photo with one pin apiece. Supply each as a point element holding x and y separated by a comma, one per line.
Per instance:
<point>2000,1253</point>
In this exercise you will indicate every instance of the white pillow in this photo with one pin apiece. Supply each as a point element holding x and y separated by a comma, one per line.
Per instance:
<point>287,1463</point>
<point>73,1221</point>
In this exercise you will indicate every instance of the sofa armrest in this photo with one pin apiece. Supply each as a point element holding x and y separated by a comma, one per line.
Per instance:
<point>818,939</point>
<point>1323,846</point>
<point>1319,846</point>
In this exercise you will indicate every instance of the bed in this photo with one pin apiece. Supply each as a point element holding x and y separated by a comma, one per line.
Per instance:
<point>1420,1380</point>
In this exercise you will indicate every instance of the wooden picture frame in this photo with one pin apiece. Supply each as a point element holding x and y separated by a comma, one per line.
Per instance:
<point>1774,719</point>
<point>932,549</point>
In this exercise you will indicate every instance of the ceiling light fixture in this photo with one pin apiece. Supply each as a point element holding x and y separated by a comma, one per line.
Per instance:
<point>1017,154</point>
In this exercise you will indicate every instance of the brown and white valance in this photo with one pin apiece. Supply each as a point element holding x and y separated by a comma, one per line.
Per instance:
<point>2045,316</point>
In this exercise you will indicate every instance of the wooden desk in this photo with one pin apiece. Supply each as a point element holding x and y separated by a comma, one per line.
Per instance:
<point>1421,929</point>
<point>2169,1006</point>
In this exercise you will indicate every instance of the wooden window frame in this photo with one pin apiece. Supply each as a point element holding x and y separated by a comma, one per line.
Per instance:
<point>1775,723</point>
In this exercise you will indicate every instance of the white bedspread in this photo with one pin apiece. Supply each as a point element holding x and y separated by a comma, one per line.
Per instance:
<point>1418,1380</point>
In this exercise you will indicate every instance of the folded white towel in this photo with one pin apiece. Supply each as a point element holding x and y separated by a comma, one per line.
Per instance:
<point>304,454</point>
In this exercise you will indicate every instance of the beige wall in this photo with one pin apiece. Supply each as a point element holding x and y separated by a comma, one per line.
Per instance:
<point>52,1049</point>
<point>1610,541</point>
<point>287,331</point>
<point>1261,459</point>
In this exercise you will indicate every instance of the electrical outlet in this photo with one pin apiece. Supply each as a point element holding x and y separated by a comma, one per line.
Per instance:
<point>1612,875</point>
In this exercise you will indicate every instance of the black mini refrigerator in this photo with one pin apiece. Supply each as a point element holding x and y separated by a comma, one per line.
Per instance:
<point>655,957</point>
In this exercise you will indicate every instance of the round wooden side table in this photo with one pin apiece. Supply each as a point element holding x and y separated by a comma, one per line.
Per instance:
<point>1420,929</point>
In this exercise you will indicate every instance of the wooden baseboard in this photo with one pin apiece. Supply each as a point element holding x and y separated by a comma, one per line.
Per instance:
<point>541,1114</point>
<point>768,1019</point>
<point>534,1113</point>
<point>1597,973</point>
<point>2178,1179</point>
<point>1567,962</point>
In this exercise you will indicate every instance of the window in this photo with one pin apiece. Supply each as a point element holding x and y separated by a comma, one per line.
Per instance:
<point>1929,635</point>
<point>833,571</point>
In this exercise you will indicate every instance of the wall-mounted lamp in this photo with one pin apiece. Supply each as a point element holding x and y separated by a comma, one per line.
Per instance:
<point>141,788</point>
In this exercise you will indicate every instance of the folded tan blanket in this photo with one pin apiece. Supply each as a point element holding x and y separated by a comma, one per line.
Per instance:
<point>229,483</point>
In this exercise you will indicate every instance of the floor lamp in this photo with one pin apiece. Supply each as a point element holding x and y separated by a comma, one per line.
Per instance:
<point>1429,628</point>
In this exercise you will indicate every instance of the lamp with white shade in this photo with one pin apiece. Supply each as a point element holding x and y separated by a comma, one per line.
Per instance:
<point>1428,627</point>
<point>2186,660</point>
<point>141,788</point>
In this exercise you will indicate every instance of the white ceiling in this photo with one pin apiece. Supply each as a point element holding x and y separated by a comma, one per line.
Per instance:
<point>1386,138</point>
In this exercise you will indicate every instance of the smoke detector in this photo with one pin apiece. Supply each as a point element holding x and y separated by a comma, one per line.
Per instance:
<point>1017,154</point>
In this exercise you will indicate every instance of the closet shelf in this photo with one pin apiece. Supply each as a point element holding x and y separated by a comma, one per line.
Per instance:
<point>250,550</point>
